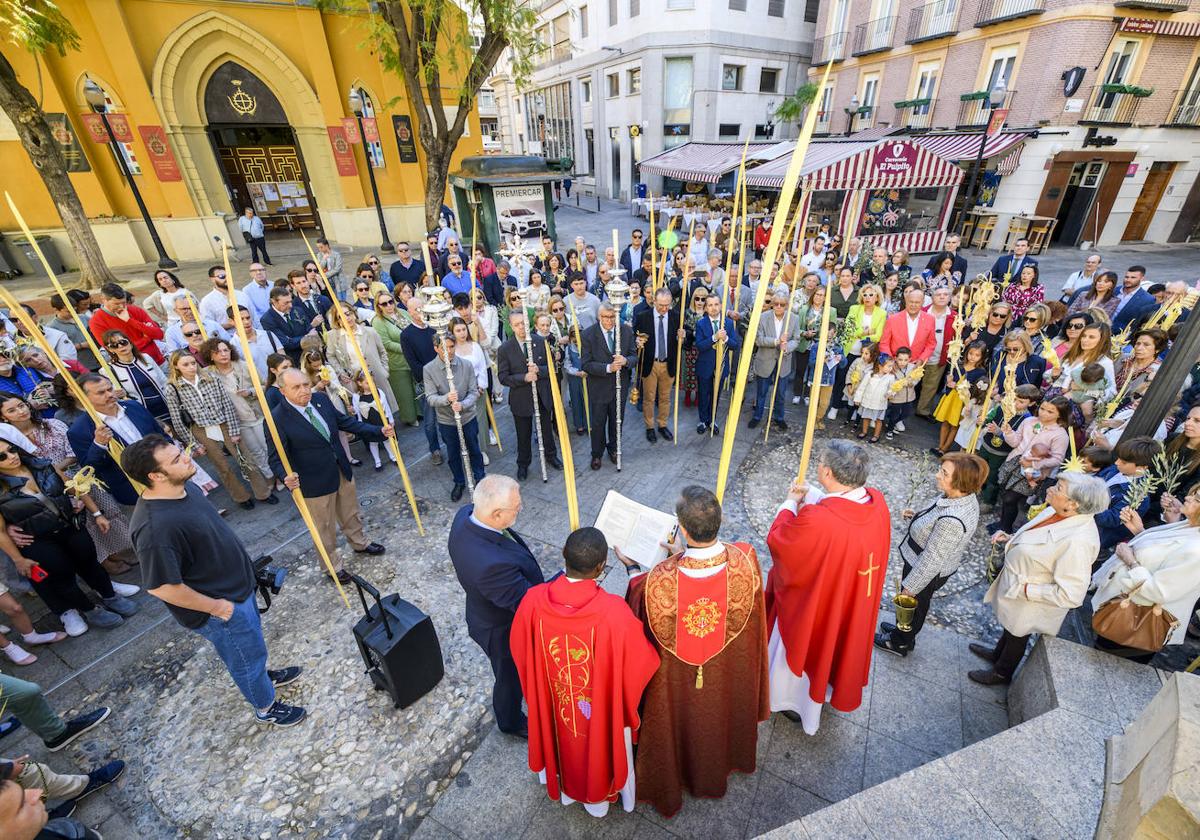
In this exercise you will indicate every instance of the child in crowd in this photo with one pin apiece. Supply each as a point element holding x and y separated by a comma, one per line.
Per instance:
<point>833,358</point>
<point>860,368</point>
<point>1037,453</point>
<point>366,410</point>
<point>1133,457</point>
<point>1088,384</point>
<point>955,398</point>
<point>1095,458</point>
<point>871,396</point>
<point>993,448</point>
<point>902,396</point>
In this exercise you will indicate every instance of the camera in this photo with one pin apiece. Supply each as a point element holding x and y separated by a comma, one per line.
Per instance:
<point>269,580</point>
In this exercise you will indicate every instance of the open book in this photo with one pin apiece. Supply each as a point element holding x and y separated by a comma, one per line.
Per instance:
<point>635,529</point>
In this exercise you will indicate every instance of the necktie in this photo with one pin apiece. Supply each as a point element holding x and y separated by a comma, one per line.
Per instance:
<point>662,339</point>
<point>317,423</point>
<point>509,534</point>
<point>612,347</point>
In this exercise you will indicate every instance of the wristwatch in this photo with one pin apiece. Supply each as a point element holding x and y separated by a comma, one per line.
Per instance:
<point>630,567</point>
<point>96,514</point>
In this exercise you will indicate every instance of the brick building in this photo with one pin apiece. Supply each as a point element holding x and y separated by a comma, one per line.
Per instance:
<point>1102,131</point>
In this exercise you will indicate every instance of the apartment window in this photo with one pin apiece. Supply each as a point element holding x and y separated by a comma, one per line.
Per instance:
<point>729,129</point>
<point>612,12</point>
<point>583,21</point>
<point>635,8</point>
<point>614,85</point>
<point>589,141</point>
<point>375,150</point>
<point>927,76</point>
<point>775,8</point>
<point>681,4</point>
<point>1004,59</point>
<point>768,80</point>
<point>737,5</point>
<point>1120,62</point>
<point>763,131</point>
<point>634,80</point>
<point>731,76</point>
<point>677,101</point>
<point>825,105</point>
<point>487,99</point>
<point>585,90</point>
<point>870,88</point>
<point>811,9</point>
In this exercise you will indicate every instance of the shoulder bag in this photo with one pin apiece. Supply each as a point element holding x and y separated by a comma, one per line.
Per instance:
<point>1132,625</point>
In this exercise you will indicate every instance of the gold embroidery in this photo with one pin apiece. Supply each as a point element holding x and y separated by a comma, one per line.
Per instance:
<point>702,617</point>
<point>569,671</point>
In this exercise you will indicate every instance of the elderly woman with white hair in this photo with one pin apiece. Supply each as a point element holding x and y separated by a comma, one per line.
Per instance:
<point>1047,567</point>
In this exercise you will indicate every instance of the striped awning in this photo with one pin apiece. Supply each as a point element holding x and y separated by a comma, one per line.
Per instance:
<point>965,146</point>
<point>705,163</point>
<point>1182,29</point>
<point>846,166</point>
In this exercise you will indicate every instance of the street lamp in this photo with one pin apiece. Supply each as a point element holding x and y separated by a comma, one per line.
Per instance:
<point>356,108</point>
<point>94,96</point>
<point>995,99</point>
<point>850,112</point>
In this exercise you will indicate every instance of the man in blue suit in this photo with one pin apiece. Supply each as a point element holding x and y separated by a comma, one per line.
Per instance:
<point>125,421</point>
<point>495,568</point>
<point>1134,300</point>
<point>287,323</point>
<point>709,331</point>
<point>1011,264</point>
<point>308,425</point>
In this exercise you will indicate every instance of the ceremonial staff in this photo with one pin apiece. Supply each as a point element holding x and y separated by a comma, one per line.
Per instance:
<point>683,294</point>
<point>437,315</point>
<point>731,283</point>
<point>486,397</point>
<point>653,244</point>
<point>523,294</point>
<point>787,316</point>
<point>618,295</point>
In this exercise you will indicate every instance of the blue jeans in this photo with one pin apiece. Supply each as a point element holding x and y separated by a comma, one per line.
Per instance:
<point>763,387</point>
<point>454,452</point>
<point>241,646</point>
<point>430,424</point>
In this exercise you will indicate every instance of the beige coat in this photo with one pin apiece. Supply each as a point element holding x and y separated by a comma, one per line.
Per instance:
<point>345,362</point>
<point>766,355</point>
<point>1056,562</point>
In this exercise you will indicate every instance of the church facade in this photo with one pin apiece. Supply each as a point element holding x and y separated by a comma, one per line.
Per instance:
<point>217,107</point>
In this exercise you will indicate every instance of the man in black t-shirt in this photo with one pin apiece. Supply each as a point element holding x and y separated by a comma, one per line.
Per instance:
<point>192,561</point>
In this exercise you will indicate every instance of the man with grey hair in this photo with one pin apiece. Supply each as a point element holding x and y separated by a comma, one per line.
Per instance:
<point>778,335</point>
<point>495,568</point>
<point>659,339</point>
<point>830,552</point>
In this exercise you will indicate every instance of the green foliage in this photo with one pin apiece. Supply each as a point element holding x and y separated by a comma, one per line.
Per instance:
<point>792,108</point>
<point>37,26</point>
<point>1132,90</point>
<point>970,97</point>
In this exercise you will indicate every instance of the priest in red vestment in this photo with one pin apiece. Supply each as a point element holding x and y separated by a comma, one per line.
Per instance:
<point>703,609</point>
<point>830,553</point>
<point>583,661</point>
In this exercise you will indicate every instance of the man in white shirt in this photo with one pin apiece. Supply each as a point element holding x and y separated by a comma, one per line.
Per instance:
<point>214,305</point>
<point>257,292</point>
<point>262,343</point>
<point>815,258</point>
<point>1082,278</point>
<point>254,234</point>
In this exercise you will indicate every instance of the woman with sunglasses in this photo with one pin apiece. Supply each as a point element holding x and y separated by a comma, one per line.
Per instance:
<point>363,301</point>
<point>1019,361</point>
<point>344,360</point>
<point>1035,320</point>
<point>512,303</point>
<point>1072,326</point>
<point>136,374</point>
<point>313,275</point>
<point>1024,291</point>
<point>693,314</point>
<point>381,276</point>
<point>34,498</point>
<point>993,331</point>
<point>388,325</point>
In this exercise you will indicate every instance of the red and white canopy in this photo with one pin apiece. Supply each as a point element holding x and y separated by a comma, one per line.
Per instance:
<point>705,163</point>
<point>887,164</point>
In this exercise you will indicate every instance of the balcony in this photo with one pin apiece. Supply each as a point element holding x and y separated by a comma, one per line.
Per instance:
<point>1108,105</point>
<point>995,11</point>
<point>1153,5</point>
<point>864,119</point>
<point>973,109</point>
<point>1187,112</point>
<point>830,48</point>
<point>823,122</point>
<point>874,36</point>
<point>933,20</point>
<point>915,114</point>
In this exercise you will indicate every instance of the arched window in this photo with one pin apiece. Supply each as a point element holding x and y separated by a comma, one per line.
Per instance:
<point>374,149</point>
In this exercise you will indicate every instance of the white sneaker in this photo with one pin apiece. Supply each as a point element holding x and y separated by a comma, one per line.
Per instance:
<point>125,590</point>
<point>795,400</point>
<point>832,415</point>
<point>487,462</point>
<point>899,426</point>
<point>73,623</point>
<point>17,655</point>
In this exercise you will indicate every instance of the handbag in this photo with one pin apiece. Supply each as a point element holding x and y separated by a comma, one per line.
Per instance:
<point>1133,625</point>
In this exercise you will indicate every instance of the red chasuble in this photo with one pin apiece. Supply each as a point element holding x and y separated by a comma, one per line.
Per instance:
<point>584,662</point>
<point>702,709</point>
<point>824,588</point>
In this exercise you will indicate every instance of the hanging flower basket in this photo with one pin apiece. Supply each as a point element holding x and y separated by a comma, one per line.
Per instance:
<point>912,103</point>
<point>1131,90</point>
<point>971,97</point>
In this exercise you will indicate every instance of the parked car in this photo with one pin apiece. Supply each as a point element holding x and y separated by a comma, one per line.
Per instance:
<point>521,221</point>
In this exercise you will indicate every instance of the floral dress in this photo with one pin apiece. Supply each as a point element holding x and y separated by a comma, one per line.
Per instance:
<point>1022,298</point>
<point>690,354</point>
<point>51,442</point>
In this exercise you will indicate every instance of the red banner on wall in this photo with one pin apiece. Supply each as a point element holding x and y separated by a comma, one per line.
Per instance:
<point>370,130</point>
<point>119,124</point>
<point>161,156</point>
<point>343,152</point>
<point>95,128</point>
<point>996,121</point>
<point>350,126</point>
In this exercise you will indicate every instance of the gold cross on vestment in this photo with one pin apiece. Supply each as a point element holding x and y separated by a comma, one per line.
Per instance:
<point>870,573</point>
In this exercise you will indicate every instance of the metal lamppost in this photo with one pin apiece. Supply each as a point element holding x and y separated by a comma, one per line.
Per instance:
<point>94,96</point>
<point>850,112</point>
<point>356,108</point>
<point>995,99</point>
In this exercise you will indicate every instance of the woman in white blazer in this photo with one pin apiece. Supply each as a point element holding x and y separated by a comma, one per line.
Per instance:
<point>1158,566</point>
<point>1047,566</point>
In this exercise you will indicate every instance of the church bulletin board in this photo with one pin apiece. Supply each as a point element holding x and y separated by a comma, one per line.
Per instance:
<point>273,197</point>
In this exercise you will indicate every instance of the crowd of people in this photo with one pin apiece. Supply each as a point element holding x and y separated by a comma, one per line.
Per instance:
<point>1016,384</point>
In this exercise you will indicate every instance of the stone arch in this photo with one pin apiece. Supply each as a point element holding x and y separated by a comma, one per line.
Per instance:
<point>187,60</point>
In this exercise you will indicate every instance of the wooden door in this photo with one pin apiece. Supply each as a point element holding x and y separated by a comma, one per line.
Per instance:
<point>1147,201</point>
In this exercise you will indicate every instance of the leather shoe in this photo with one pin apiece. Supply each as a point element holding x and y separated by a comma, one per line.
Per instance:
<point>982,651</point>
<point>988,677</point>
<point>271,499</point>
<point>522,473</point>
<point>701,428</point>
<point>553,461</point>
<point>781,425</point>
<point>612,456</point>
<point>247,505</point>
<point>372,548</point>
<point>343,577</point>
<point>650,436</point>
<point>665,433</point>
<point>457,492</point>
<point>595,463</point>
<point>753,424</point>
<point>884,641</point>
<point>716,430</point>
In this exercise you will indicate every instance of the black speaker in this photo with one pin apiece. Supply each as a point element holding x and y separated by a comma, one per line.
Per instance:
<point>399,646</point>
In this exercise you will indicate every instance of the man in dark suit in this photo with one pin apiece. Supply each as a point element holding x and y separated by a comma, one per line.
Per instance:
<point>495,568</point>
<point>603,357</point>
<point>305,298</point>
<point>631,255</point>
<point>494,284</point>
<point>308,425</point>
<point>125,421</point>
<point>953,241</point>
<point>522,377</point>
<point>644,275</point>
<point>658,338</point>
<point>1134,300</point>
<point>416,340</point>
<point>710,330</point>
<point>1011,264</point>
<point>287,323</point>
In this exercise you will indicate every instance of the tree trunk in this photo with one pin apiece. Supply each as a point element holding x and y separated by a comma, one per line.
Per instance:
<point>437,174</point>
<point>47,158</point>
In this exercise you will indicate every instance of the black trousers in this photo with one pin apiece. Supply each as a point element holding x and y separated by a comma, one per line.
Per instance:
<point>604,426</point>
<point>924,597</point>
<point>259,245</point>
<point>1008,653</point>
<point>799,371</point>
<point>1132,654</point>
<point>839,383</point>
<point>1011,502</point>
<point>525,437</point>
<point>65,555</point>
<point>506,693</point>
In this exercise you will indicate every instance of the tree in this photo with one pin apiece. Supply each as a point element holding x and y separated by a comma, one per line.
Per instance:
<point>792,108</point>
<point>37,26</point>
<point>424,42</point>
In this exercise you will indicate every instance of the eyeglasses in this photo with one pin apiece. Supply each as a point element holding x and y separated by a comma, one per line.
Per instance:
<point>1031,319</point>
<point>1075,326</point>
<point>999,315</point>
<point>387,303</point>
<point>219,276</point>
<point>372,262</point>
<point>558,309</point>
<point>191,334</point>
<point>118,342</point>
<point>362,288</point>
<point>310,271</point>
